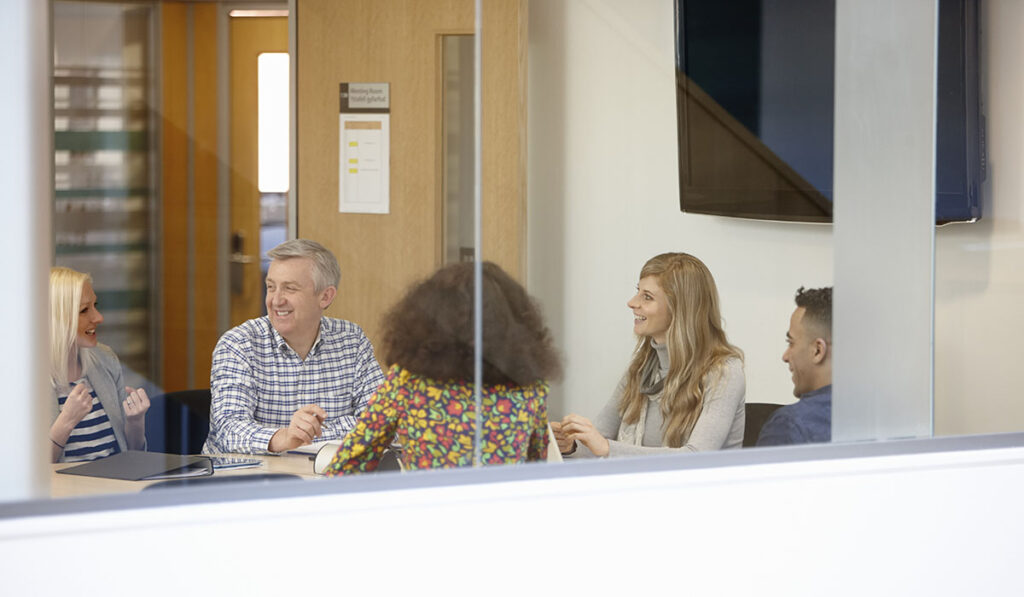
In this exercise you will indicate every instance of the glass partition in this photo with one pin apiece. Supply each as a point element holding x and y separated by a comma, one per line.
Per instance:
<point>580,189</point>
<point>604,199</point>
<point>104,156</point>
<point>213,212</point>
<point>977,279</point>
<point>167,195</point>
<point>457,137</point>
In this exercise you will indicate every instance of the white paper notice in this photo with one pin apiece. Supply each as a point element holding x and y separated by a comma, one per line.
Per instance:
<point>364,153</point>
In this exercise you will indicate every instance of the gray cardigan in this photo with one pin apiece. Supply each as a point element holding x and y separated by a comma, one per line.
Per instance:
<point>719,427</point>
<point>101,367</point>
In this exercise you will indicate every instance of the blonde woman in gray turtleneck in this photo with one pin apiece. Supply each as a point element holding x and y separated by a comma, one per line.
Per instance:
<point>685,386</point>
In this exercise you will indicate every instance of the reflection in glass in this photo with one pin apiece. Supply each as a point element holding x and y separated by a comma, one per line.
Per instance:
<point>457,140</point>
<point>103,146</point>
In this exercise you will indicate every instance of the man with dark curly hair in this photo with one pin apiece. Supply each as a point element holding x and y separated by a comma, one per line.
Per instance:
<point>809,356</point>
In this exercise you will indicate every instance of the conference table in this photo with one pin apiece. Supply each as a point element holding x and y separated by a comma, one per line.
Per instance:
<point>64,485</point>
<point>299,463</point>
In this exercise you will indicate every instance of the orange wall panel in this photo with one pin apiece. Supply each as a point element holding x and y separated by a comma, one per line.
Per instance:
<point>174,192</point>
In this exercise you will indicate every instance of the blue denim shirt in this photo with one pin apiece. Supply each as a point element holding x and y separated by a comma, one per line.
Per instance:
<point>809,420</point>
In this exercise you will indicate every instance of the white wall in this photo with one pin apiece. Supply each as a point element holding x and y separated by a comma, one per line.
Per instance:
<point>979,377</point>
<point>25,158</point>
<point>603,193</point>
<point>604,197</point>
<point>893,525</point>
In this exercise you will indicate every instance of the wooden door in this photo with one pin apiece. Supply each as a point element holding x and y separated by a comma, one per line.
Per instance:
<point>249,37</point>
<point>399,42</point>
<point>189,288</point>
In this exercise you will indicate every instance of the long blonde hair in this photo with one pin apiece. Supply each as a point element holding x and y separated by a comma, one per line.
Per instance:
<point>65,300</point>
<point>697,345</point>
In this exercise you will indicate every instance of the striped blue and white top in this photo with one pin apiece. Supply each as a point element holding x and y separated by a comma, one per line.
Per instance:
<point>93,437</point>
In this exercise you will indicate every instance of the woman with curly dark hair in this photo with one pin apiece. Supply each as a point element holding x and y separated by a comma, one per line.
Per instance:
<point>427,398</point>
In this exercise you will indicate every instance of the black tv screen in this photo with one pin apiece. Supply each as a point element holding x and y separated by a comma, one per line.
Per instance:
<point>755,98</point>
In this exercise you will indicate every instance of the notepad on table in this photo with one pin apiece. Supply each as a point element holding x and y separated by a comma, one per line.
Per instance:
<point>133,465</point>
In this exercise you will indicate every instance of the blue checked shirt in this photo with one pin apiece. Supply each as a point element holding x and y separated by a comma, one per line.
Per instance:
<point>258,382</point>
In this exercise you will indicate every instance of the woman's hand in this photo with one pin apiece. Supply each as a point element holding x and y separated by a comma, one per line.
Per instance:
<point>580,429</point>
<point>565,445</point>
<point>136,404</point>
<point>78,404</point>
<point>135,407</point>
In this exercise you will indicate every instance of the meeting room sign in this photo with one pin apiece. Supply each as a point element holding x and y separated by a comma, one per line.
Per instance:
<point>364,152</point>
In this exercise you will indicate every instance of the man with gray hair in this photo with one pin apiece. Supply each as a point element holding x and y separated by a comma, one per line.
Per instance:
<point>293,376</point>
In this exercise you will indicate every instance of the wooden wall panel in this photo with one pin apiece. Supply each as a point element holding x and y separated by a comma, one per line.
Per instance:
<point>249,38</point>
<point>204,283</point>
<point>180,334</point>
<point>398,42</point>
<point>504,67</point>
<point>174,192</point>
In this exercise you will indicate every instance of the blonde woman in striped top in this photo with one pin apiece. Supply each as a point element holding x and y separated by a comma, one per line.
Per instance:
<point>94,414</point>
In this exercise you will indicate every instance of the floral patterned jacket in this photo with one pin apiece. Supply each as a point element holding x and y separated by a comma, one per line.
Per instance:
<point>434,423</point>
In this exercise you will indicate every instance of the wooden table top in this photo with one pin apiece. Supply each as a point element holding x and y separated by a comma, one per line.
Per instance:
<point>78,485</point>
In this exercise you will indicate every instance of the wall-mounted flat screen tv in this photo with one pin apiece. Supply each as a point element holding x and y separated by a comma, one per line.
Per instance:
<point>755,98</point>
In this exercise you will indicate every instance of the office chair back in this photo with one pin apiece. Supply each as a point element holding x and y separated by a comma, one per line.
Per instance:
<point>757,414</point>
<point>187,421</point>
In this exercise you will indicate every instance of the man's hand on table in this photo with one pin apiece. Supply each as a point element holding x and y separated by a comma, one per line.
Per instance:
<point>303,429</point>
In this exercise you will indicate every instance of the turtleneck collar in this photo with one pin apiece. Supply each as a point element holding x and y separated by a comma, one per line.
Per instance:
<point>662,351</point>
<point>652,382</point>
